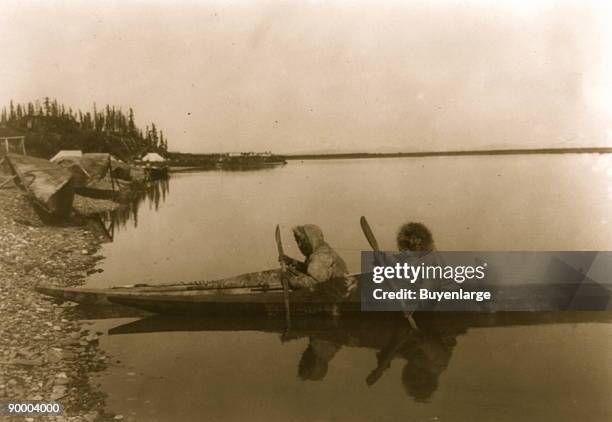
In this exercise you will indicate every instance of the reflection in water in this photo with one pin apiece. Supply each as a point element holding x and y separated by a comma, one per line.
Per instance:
<point>425,354</point>
<point>426,358</point>
<point>315,359</point>
<point>153,194</point>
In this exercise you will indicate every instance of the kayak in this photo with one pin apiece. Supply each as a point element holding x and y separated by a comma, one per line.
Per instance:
<point>261,293</point>
<point>256,280</point>
<point>239,302</point>
<point>258,293</point>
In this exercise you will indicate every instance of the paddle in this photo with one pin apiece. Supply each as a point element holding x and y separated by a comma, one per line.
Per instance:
<point>385,358</point>
<point>279,246</point>
<point>367,231</point>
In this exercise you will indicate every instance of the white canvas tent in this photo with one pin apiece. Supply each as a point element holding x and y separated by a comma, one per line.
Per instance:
<point>153,157</point>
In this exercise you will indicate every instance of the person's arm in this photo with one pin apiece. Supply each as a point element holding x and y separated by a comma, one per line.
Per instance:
<point>299,280</point>
<point>294,264</point>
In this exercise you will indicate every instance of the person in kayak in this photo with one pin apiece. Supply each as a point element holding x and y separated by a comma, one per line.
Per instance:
<point>322,263</point>
<point>415,237</point>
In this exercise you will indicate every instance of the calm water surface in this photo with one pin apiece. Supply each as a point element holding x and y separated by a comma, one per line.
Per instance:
<point>215,224</point>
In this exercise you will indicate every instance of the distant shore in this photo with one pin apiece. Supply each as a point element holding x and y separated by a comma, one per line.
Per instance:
<point>593,150</point>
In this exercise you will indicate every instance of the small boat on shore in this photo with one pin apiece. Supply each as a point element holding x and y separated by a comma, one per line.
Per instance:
<point>49,185</point>
<point>156,172</point>
<point>105,188</point>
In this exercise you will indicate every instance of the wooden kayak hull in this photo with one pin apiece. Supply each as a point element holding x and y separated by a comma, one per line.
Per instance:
<point>76,294</point>
<point>216,302</point>
<point>260,293</point>
<point>237,303</point>
<point>249,302</point>
<point>257,293</point>
<point>256,280</point>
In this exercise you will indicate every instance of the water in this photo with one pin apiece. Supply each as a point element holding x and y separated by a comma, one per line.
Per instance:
<point>215,224</point>
<point>547,372</point>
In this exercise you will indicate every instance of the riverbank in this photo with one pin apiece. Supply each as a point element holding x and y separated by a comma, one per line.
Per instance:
<point>46,353</point>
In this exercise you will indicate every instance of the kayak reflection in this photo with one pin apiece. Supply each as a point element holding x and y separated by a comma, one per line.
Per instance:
<point>425,354</point>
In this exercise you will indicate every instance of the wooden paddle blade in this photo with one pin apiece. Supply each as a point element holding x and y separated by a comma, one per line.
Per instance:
<point>367,231</point>
<point>279,246</point>
<point>279,242</point>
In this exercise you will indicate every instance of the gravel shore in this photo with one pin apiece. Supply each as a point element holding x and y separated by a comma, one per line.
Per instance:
<point>46,353</point>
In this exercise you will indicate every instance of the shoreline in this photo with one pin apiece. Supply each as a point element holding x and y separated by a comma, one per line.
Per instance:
<point>529,151</point>
<point>48,353</point>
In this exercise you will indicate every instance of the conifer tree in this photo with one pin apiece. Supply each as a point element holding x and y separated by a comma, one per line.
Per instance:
<point>131,125</point>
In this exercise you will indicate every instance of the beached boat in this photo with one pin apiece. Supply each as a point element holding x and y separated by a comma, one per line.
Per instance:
<point>156,172</point>
<point>105,188</point>
<point>49,185</point>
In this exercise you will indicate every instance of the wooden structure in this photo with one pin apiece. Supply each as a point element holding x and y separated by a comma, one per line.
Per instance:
<point>10,137</point>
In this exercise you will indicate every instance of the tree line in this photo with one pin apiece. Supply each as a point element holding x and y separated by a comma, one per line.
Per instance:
<point>105,129</point>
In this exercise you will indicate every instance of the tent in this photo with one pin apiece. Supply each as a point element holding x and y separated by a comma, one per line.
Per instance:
<point>153,157</point>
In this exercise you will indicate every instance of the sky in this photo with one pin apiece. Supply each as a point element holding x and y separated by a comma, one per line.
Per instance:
<point>323,76</point>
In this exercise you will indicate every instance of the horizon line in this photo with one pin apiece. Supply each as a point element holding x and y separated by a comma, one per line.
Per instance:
<point>505,151</point>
